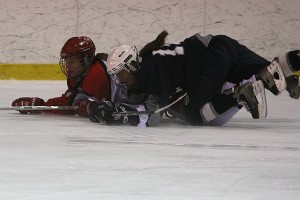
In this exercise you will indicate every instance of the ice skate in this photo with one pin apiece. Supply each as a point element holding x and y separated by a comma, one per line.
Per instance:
<point>290,63</point>
<point>247,96</point>
<point>279,75</point>
<point>273,77</point>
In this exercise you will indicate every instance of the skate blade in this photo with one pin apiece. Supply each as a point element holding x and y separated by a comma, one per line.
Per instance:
<point>259,92</point>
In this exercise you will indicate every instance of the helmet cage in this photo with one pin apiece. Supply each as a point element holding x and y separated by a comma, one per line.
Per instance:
<point>79,73</point>
<point>131,67</point>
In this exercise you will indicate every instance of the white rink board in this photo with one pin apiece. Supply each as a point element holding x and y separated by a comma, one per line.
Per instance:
<point>35,31</point>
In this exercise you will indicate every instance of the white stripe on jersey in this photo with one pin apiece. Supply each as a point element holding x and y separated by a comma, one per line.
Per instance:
<point>176,51</point>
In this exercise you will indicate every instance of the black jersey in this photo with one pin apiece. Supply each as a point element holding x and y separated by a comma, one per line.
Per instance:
<point>162,72</point>
<point>199,65</point>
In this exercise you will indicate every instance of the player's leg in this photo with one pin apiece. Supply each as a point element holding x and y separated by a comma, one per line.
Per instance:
<point>223,106</point>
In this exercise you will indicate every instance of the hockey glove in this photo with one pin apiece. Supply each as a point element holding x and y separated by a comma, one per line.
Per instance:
<point>28,101</point>
<point>103,112</point>
<point>84,107</point>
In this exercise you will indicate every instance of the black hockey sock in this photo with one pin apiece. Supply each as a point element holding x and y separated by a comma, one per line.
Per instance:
<point>223,102</point>
<point>219,104</point>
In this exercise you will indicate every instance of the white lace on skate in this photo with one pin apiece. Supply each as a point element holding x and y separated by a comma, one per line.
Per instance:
<point>278,76</point>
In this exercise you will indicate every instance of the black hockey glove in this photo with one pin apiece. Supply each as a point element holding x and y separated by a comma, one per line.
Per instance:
<point>103,112</point>
<point>177,110</point>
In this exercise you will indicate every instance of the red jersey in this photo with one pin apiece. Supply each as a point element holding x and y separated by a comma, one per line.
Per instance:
<point>95,84</point>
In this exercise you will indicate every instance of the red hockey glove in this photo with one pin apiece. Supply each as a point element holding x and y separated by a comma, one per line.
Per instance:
<point>28,101</point>
<point>84,107</point>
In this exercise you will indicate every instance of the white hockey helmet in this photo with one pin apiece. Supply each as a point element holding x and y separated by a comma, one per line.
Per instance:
<point>123,57</point>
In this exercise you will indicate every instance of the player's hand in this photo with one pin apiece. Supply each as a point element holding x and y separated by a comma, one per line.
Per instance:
<point>102,112</point>
<point>84,107</point>
<point>28,101</point>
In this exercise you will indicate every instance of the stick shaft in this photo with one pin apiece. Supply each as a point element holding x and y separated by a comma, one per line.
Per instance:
<point>132,113</point>
<point>39,108</point>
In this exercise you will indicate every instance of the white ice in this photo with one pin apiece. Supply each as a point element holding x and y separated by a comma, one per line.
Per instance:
<point>68,157</point>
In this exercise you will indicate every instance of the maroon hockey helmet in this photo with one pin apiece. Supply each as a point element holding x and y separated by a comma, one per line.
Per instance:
<point>80,48</point>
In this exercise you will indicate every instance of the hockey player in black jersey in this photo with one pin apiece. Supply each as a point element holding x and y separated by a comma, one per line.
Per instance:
<point>200,66</point>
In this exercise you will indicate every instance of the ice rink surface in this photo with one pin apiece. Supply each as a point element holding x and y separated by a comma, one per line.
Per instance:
<point>68,157</point>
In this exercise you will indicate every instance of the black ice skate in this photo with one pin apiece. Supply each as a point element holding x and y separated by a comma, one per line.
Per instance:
<point>247,96</point>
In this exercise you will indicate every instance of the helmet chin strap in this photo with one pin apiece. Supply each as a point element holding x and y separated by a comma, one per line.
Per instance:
<point>80,76</point>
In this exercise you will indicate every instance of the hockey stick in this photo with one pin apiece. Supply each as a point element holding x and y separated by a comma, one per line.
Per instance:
<point>29,108</point>
<point>132,113</point>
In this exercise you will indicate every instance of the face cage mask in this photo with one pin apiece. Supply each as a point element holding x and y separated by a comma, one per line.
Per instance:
<point>133,65</point>
<point>86,62</point>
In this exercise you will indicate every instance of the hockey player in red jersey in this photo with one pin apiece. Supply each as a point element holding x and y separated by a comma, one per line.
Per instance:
<point>200,66</point>
<point>86,79</point>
